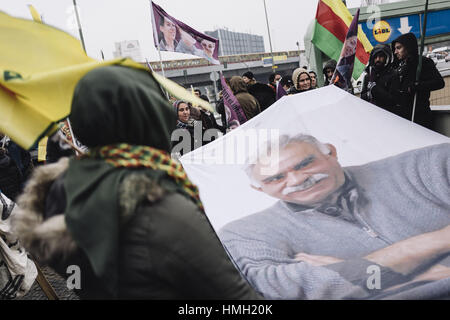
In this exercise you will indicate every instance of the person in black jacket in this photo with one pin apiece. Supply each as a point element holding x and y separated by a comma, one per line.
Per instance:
<point>263,93</point>
<point>404,87</point>
<point>378,76</point>
<point>16,166</point>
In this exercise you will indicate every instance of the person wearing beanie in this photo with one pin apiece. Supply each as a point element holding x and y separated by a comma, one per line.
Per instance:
<point>301,80</point>
<point>404,88</point>
<point>328,71</point>
<point>249,78</point>
<point>378,74</point>
<point>130,218</point>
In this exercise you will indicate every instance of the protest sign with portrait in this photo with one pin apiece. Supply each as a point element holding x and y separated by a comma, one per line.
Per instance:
<point>318,197</point>
<point>173,35</point>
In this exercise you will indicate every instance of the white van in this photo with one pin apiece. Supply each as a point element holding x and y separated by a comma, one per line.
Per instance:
<point>440,54</point>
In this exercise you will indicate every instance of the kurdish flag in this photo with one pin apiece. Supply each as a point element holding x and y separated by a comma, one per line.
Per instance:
<point>332,23</point>
<point>39,69</point>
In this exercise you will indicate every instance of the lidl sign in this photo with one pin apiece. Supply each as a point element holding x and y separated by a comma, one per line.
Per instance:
<point>384,31</point>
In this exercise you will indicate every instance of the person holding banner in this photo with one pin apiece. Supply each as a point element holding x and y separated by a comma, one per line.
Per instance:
<point>332,224</point>
<point>127,216</point>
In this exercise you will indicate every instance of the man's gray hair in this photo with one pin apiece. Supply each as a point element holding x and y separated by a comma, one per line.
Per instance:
<point>284,140</point>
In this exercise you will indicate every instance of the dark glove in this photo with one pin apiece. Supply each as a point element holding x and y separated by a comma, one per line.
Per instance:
<point>414,87</point>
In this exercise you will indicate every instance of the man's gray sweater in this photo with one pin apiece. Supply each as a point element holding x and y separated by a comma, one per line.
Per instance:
<point>405,195</point>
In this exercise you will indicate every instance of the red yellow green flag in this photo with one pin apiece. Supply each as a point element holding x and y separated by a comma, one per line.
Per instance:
<point>332,22</point>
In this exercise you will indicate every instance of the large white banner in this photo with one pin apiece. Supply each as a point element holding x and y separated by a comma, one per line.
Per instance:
<point>360,131</point>
<point>293,213</point>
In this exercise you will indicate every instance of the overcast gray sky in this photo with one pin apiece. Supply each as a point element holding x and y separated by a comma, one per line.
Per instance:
<point>107,21</point>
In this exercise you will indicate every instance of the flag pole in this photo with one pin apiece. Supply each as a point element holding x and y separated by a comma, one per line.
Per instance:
<point>79,24</point>
<point>149,65</point>
<point>160,61</point>
<point>419,66</point>
<point>270,40</point>
<point>156,38</point>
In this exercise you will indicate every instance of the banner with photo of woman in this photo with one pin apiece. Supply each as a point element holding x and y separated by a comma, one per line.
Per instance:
<point>173,35</point>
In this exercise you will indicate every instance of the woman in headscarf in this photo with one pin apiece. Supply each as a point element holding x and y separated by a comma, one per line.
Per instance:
<point>125,213</point>
<point>183,110</point>
<point>184,138</point>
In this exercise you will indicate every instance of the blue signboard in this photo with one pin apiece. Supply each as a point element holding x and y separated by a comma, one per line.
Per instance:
<point>384,31</point>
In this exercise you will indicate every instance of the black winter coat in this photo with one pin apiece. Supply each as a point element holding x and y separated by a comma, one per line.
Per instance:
<point>167,247</point>
<point>263,93</point>
<point>377,95</point>
<point>15,168</point>
<point>402,86</point>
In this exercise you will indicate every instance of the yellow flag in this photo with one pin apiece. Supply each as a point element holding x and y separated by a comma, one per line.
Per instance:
<point>42,149</point>
<point>181,93</point>
<point>39,69</point>
<point>34,14</point>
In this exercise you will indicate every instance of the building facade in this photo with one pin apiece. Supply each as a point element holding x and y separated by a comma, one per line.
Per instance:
<point>237,42</point>
<point>128,49</point>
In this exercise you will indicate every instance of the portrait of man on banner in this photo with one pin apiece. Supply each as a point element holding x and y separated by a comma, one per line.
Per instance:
<point>325,206</point>
<point>331,223</point>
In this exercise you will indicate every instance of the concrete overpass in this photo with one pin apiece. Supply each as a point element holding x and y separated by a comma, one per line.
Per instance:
<point>197,72</point>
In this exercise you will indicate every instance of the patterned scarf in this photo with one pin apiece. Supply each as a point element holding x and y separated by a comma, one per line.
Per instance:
<point>183,125</point>
<point>130,156</point>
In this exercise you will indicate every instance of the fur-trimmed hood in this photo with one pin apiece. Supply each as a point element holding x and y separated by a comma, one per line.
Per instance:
<point>48,240</point>
<point>45,240</point>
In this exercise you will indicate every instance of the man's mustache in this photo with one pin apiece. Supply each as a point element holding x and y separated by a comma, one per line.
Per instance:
<point>308,183</point>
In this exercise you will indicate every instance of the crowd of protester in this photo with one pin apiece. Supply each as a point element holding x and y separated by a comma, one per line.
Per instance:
<point>82,187</point>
